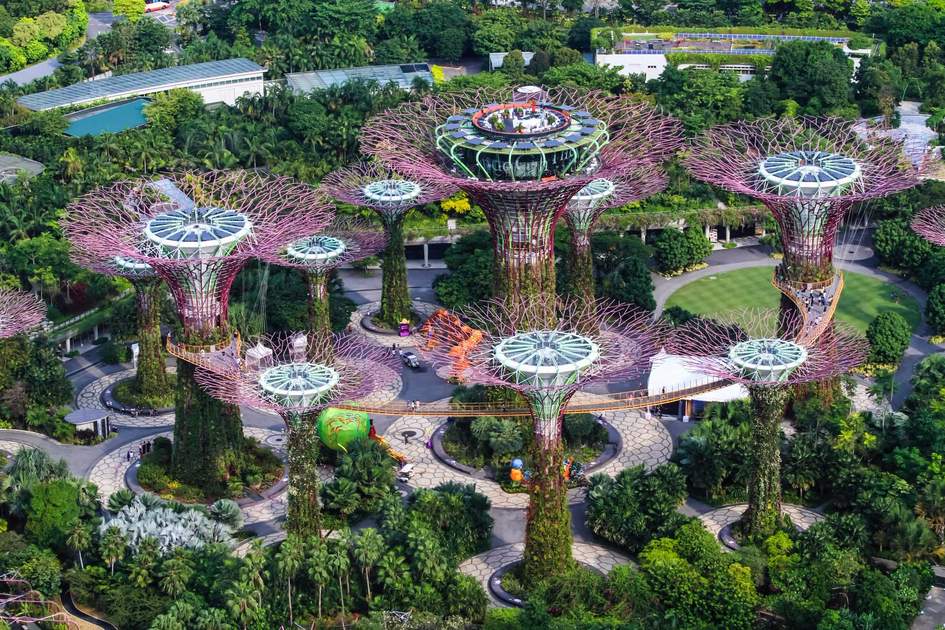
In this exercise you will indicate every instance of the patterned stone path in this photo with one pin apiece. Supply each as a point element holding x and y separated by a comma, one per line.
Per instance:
<point>715,520</point>
<point>90,398</point>
<point>425,309</point>
<point>485,564</point>
<point>10,447</point>
<point>645,441</point>
<point>109,472</point>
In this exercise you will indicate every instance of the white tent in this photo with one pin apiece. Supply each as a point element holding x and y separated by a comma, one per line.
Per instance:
<point>669,373</point>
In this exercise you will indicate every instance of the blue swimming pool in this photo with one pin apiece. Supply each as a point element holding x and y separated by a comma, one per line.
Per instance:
<point>108,118</point>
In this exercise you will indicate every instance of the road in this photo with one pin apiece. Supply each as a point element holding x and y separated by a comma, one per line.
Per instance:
<point>98,23</point>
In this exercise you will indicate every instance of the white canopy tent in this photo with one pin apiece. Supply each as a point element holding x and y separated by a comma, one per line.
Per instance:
<point>669,372</point>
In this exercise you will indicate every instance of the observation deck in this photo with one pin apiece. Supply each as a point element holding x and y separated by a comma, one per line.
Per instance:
<point>522,140</point>
<point>816,302</point>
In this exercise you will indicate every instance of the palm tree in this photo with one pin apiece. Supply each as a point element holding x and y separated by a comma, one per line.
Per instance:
<point>368,550</point>
<point>341,495</point>
<point>393,571</point>
<point>145,562</point>
<point>112,547</point>
<point>340,564</point>
<point>175,573</point>
<point>71,164</point>
<point>79,539</point>
<point>243,601</point>
<point>288,562</point>
<point>931,505</point>
<point>317,569</point>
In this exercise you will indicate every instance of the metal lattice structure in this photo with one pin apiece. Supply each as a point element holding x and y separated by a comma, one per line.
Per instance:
<point>545,349</point>
<point>315,256</point>
<point>763,348</point>
<point>390,194</point>
<point>277,373</point>
<point>501,344</point>
<point>22,606</point>
<point>521,157</point>
<point>929,223</point>
<point>19,312</point>
<point>808,172</point>
<point>196,230</point>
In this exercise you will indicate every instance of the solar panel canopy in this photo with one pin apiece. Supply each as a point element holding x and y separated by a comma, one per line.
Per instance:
<point>402,75</point>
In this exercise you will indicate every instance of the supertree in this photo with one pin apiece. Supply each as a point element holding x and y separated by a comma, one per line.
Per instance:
<point>929,223</point>
<point>21,606</point>
<point>390,195</point>
<point>151,381</point>
<point>808,172</point>
<point>277,374</point>
<point>586,207</point>
<point>19,312</point>
<point>197,230</point>
<point>498,343</point>
<point>761,349</point>
<point>317,255</point>
<point>521,157</point>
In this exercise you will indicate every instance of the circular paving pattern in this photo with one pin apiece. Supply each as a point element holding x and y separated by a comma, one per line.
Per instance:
<point>109,472</point>
<point>485,564</point>
<point>90,398</point>
<point>715,520</point>
<point>424,309</point>
<point>645,441</point>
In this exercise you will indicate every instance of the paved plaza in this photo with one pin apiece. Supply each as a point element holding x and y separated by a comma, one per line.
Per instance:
<point>715,520</point>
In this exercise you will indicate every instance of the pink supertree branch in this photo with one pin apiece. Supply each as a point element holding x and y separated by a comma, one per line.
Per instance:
<point>353,183</point>
<point>357,241</point>
<point>633,184</point>
<point>929,223</point>
<point>19,312</point>
<point>760,347</point>
<point>225,219</point>
<point>465,343</point>
<point>352,371</point>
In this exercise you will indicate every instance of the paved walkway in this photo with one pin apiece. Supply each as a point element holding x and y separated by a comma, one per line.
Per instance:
<point>715,520</point>
<point>89,397</point>
<point>932,615</point>
<point>423,308</point>
<point>485,564</point>
<point>645,441</point>
<point>109,473</point>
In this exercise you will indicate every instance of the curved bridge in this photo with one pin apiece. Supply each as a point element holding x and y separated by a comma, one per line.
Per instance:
<point>815,301</point>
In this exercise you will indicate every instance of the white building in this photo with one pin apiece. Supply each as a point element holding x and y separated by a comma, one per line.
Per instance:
<point>215,81</point>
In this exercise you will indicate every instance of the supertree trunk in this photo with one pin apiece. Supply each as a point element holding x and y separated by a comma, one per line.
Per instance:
<point>208,435</point>
<point>581,264</point>
<point>151,378</point>
<point>304,510</point>
<point>319,310</point>
<point>764,490</point>
<point>548,525</point>
<point>395,295</point>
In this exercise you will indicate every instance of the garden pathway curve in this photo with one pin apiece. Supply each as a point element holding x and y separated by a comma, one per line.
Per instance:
<point>485,564</point>
<point>715,520</point>
<point>645,441</point>
<point>89,397</point>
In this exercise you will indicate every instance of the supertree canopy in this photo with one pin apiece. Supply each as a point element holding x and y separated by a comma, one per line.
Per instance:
<point>497,343</point>
<point>808,172</point>
<point>761,349</point>
<point>929,223</point>
<point>277,373</point>
<point>317,255</point>
<point>390,195</point>
<point>197,230</point>
<point>521,157</point>
<point>19,312</point>
<point>586,207</point>
<point>151,382</point>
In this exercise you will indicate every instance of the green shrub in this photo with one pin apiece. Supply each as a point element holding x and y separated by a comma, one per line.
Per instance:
<point>889,334</point>
<point>935,309</point>
<point>503,619</point>
<point>153,477</point>
<point>583,428</point>
<point>53,509</point>
<point>114,353</point>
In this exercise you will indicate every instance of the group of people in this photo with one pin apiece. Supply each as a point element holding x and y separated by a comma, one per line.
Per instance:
<point>143,449</point>
<point>817,301</point>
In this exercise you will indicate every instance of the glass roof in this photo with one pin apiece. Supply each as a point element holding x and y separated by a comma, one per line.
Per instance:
<point>402,75</point>
<point>138,83</point>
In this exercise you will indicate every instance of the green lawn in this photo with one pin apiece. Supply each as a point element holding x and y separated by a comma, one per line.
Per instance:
<point>863,297</point>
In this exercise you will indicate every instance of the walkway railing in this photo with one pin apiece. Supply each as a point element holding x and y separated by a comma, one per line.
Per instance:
<point>810,330</point>
<point>222,361</point>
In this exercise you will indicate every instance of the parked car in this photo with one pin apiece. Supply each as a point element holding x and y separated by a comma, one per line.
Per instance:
<point>410,359</point>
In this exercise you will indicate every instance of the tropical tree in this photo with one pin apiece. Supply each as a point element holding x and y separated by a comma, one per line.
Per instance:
<point>289,560</point>
<point>317,567</point>
<point>112,547</point>
<point>175,573</point>
<point>243,602</point>
<point>79,539</point>
<point>368,550</point>
<point>339,563</point>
